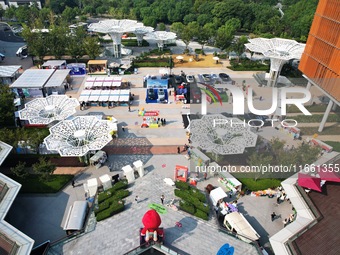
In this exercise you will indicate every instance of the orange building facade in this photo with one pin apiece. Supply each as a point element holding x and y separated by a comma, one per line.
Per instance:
<point>320,61</point>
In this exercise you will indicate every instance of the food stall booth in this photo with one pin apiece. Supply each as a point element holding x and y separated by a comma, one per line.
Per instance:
<point>129,173</point>
<point>91,187</point>
<point>106,181</point>
<point>98,159</point>
<point>230,182</point>
<point>139,167</point>
<point>181,173</point>
<point>97,66</point>
<point>54,64</point>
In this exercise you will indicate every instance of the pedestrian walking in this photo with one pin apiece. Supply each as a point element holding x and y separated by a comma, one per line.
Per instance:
<point>162,199</point>
<point>178,150</point>
<point>273,215</point>
<point>164,121</point>
<point>285,222</point>
<point>73,183</point>
<point>137,199</point>
<point>205,176</point>
<point>129,108</point>
<point>260,98</point>
<point>230,194</point>
<point>123,128</point>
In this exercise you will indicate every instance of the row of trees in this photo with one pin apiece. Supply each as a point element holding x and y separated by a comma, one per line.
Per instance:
<point>257,16</point>
<point>60,41</point>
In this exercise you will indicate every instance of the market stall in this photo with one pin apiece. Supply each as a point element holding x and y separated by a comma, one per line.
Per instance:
<point>139,167</point>
<point>217,195</point>
<point>97,66</point>
<point>129,173</point>
<point>181,173</point>
<point>98,159</point>
<point>91,187</point>
<point>106,181</point>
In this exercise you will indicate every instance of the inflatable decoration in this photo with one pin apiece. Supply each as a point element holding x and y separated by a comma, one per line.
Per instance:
<point>151,231</point>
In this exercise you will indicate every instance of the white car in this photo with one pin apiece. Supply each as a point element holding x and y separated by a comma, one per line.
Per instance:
<point>190,78</point>
<point>161,94</point>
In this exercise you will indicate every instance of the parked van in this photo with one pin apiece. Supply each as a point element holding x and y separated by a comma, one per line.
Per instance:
<point>237,223</point>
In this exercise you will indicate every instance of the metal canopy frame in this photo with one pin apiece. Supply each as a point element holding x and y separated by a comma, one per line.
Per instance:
<point>78,136</point>
<point>49,109</point>
<point>223,139</point>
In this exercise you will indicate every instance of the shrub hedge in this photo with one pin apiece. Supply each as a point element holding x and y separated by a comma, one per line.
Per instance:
<point>182,185</point>
<point>197,194</point>
<point>201,214</point>
<point>101,207</point>
<point>187,207</point>
<point>114,208</point>
<point>191,201</point>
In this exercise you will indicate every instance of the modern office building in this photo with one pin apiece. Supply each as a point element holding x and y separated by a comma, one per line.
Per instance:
<point>321,58</point>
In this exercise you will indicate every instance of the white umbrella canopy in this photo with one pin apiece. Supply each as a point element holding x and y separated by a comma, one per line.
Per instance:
<point>78,136</point>
<point>216,58</point>
<point>48,109</point>
<point>179,57</point>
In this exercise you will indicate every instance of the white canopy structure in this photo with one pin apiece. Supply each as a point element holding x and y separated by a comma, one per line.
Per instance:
<point>5,149</point>
<point>278,50</point>
<point>140,32</point>
<point>161,37</point>
<point>78,136</point>
<point>224,138</point>
<point>106,181</point>
<point>49,109</point>
<point>217,194</point>
<point>115,28</point>
<point>129,173</point>
<point>91,187</point>
<point>139,166</point>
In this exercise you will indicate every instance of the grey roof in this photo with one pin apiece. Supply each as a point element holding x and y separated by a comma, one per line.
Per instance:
<point>33,78</point>
<point>58,78</point>
<point>5,149</point>
<point>53,63</point>
<point>8,71</point>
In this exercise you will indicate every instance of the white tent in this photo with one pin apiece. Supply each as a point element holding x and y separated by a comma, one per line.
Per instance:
<point>139,166</point>
<point>217,194</point>
<point>91,187</point>
<point>129,173</point>
<point>106,181</point>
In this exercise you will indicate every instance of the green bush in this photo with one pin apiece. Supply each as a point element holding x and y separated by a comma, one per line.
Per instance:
<point>101,207</point>
<point>201,214</point>
<point>187,197</point>
<point>105,195</point>
<point>114,208</point>
<point>120,185</point>
<point>335,145</point>
<point>150,64</point>
<point>197,194</point>
<point>184,206</point>
<point>182,185</point>
<point>259,184</point>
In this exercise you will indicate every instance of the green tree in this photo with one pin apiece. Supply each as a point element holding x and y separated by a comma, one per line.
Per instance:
<point>44,168</point>
<point>7,107</point>
<point>92,47</point>
<point>225,36</point>
<point>205,33</point>
<point>258,159</point>
<point>10,12</point>
<point>2,12</point>
<point>161,27</point>
<point>36,42</point>
<point>56,40</point>
<point>20,170</point>
<point>69,14</point>
<point>238,45</point>
<point>75,45</point>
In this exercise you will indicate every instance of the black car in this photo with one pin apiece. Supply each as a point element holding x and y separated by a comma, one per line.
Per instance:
<point>224,76</point>
<point>151,94</point>
<point>178,79</point>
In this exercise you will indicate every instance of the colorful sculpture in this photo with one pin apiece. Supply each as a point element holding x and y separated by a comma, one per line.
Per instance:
<point>151,231</point>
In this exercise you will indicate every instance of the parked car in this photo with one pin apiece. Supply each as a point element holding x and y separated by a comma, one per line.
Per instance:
<point>224,76</point>
<point>2,56</point>
<point>206,77</point>
<point>161,94</point>
<point>190,78</point>
<point>151,94</point>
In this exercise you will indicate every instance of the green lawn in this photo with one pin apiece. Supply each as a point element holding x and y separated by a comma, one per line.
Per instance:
<point>259,184</point>
<point>335,145</point>
<point>332,130</point>
<point>32,183</point>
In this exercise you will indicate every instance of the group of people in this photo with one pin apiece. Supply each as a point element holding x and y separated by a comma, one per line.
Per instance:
<point>162,121</point>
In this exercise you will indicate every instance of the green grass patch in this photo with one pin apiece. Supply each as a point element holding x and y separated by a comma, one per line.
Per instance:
<point>316,118</point>
<point>245,68</point>
<point>158,208</point>
<point>33,184</point>
<point>335,145</point>
<point>332,130</point>
<point>259,184</point>
<point>311,108</point>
